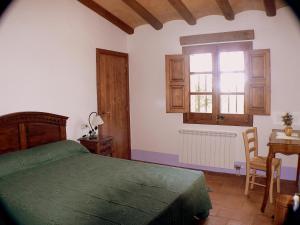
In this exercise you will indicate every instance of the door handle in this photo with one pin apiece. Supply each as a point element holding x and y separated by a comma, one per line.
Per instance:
<point>104,113</point>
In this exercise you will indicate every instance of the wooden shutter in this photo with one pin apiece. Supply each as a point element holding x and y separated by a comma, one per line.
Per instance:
<point>177,83</point>
<point>258,93</point>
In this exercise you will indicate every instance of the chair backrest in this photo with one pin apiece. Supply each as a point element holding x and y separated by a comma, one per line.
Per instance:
<point>250,142</point>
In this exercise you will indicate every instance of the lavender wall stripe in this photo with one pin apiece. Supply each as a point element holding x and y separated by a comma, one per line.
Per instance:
<point>287,173</point>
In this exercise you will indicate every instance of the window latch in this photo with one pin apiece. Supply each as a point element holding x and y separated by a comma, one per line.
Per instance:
<point>220,117</point>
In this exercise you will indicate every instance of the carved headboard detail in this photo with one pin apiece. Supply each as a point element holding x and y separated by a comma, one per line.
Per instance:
<point>23,130</point>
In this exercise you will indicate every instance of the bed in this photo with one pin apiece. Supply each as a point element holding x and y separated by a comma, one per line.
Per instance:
<point>46,179</point>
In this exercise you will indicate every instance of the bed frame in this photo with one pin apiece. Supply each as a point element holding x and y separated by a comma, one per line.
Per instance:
<point>24,130</point>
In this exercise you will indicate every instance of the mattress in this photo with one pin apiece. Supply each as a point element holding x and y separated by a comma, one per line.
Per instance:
<point>62,183</point>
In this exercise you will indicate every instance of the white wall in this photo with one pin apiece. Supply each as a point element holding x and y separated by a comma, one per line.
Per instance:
<point>47,63</point>
<point>155,130</point>
<point>48,58</point>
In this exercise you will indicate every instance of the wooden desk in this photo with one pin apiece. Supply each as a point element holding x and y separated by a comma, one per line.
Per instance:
<point>283,146</point>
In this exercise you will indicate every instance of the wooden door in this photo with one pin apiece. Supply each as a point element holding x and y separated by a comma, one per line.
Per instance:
<point>113,99</point>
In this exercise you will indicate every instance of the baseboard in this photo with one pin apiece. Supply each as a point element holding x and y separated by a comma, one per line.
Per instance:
<point>287,173</point>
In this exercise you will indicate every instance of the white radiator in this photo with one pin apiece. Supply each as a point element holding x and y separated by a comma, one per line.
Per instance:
<point>208,148</point>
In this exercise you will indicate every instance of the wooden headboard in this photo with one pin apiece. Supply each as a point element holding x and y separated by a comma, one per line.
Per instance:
<point>23,130</point>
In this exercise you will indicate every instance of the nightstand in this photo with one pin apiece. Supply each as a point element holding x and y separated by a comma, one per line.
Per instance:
<point>101,146</point>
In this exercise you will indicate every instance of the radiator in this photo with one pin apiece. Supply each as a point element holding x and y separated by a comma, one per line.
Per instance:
<point>208,148</point>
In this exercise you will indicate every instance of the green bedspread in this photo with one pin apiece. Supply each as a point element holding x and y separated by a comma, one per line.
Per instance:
<point>62,183</point>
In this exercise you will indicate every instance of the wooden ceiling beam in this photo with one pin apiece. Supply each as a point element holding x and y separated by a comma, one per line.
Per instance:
<point>4,5</point>
<point>144,13</point>
<point>226,9</point>
<point>183,11</point>
<point>107,15</point>
<point>270,7</point>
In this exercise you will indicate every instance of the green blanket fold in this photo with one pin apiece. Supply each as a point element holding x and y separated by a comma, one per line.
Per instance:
<point>77,187</point>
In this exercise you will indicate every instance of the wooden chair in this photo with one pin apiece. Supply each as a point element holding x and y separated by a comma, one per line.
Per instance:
<point>255,162</point>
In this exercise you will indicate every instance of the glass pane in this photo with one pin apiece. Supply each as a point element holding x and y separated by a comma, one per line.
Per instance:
<point>232,104</point>
<point>201,83</point>
<point>232,61</point>
<point>232,82</point>
<point>201,103</point>
<point>201,62</point>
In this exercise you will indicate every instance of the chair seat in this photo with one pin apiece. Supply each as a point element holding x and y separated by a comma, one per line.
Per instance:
<point>260,163</point>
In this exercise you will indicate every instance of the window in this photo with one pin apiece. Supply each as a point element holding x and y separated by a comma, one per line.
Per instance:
<point>232,82</point>
<point>217,84</point>
<point>227,84</point>
<point>201,83</point>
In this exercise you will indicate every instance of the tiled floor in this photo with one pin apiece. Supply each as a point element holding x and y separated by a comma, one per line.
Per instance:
<point>232,207</point>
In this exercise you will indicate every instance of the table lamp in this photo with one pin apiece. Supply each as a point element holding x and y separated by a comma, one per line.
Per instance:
<point>94,123</point>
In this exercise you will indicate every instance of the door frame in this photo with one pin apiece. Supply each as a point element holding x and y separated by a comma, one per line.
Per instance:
<point>100,51</point>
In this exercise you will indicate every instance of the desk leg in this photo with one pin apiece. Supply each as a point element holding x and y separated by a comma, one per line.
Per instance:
<point>298,170</point>
<point>271,155</point>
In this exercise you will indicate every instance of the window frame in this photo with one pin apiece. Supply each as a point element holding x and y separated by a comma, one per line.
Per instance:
<point>216,118</point>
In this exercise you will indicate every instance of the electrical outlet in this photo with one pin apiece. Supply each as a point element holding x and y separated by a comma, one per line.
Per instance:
<point>84,126</point>
<point>237,166</point>
<point>237,169</point>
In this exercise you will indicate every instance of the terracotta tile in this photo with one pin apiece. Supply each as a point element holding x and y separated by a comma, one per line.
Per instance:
<point>262,220</point>
<point>232,189</point>
<point>251,207</point>
<point>215,220</point>
<point>235,222</point>
<point>215,186</point>
<point>215,209</point>
<point>232,207</point>
<point>237,215</point>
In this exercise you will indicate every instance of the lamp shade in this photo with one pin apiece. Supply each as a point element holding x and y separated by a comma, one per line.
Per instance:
<point>97,120</point>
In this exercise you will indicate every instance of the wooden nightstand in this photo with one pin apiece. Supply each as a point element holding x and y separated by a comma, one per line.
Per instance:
<point>101,146</point>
